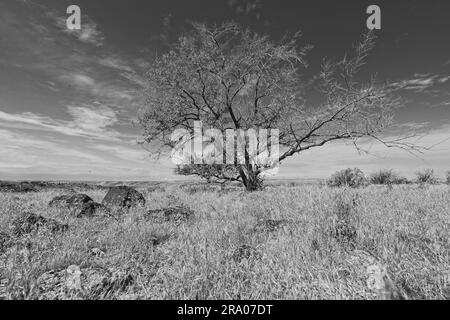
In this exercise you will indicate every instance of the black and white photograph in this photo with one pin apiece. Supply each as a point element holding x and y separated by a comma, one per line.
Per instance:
<point>227,150</point>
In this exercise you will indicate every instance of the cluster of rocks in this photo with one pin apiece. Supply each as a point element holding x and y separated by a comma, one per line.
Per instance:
<point>79,283</point>
<point>117,198</point>
<point>79,205</point>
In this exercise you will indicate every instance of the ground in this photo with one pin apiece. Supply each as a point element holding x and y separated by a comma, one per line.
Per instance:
<point>330,243</point>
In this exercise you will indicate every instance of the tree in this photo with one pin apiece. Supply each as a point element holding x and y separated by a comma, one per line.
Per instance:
<point>229,77</point>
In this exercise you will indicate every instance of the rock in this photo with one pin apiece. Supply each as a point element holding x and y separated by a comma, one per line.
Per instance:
<point>377,277</point>
<point>82,283</point>
<point>28,222</point>
<point>90,209</point>
<point>171,214</point>
<point>80,205</point>
<point>70,201</point>
<point>123,198</point>
<point>73,278</point>
<point>157,240</point>
<point>245,252</point>
<point>270,225</point>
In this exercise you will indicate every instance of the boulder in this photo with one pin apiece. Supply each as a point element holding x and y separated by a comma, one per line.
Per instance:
<point>90,209</point>
<point>79,205</point>
<point>70,201</point>
<point>28,222</point>
<point>82,283</point>
<point>123,197</point>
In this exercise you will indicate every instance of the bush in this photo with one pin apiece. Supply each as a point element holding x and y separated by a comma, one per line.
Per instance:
<point>353,178</point>
<point>387,177</point>
<point>426,177</point>
<point>448,177</point>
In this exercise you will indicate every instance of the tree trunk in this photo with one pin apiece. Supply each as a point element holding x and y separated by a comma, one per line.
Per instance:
<point>250,179</point>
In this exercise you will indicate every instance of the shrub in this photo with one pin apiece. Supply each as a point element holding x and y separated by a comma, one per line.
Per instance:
<point>387,177</point>
<point>426,177</point>
<point>448,177</point>
<point>353,178</point>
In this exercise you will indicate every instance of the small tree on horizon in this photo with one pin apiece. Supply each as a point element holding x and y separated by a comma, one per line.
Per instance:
<point>229,77</point>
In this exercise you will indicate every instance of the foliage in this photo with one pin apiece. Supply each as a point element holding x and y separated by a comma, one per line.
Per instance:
<point>426,177</point>
<point>387,177</point>
<point>353,178</point>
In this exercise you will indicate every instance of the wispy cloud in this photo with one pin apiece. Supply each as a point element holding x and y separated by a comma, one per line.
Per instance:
<point>93,120</point>
<point>26,150</point>
<point>87,121</point>
<point>420,82</point>
<point>28,156</point>
<point>246,7</point>
<point>89,32</point>
<point>116,63</point>
<point>99,89</point>
<point>123,152</point>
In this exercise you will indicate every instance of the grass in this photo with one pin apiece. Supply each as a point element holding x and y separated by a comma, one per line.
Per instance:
<point>405,228</point>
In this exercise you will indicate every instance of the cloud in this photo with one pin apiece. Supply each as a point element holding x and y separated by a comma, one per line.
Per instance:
<point>116,63</point>
<point>79,80</point>
<point>92,120</point>
<point>31,156</point>
<point>420,82</point>
<point>444,79</point>
<point>89,32</point>
<point>246,7</point>
<point>122,152</point>
<point>98,89</point>
<point>25,150</point>
<point>87,121</point>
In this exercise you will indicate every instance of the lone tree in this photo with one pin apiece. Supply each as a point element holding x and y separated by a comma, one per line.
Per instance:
<point>229,77</point>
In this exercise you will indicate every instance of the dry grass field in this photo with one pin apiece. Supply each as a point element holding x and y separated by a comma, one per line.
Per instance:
<point>298,242</point>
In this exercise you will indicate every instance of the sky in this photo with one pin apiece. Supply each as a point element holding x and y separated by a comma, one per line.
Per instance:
<point>69,98</point>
